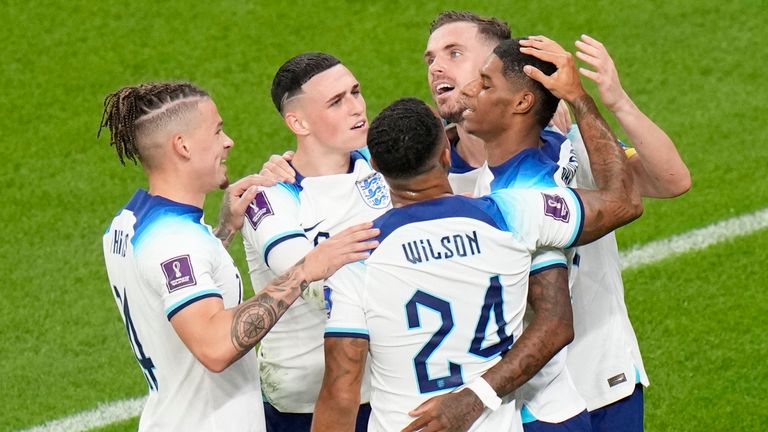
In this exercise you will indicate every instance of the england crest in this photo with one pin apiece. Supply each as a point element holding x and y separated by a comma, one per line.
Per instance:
<point>374,191</point>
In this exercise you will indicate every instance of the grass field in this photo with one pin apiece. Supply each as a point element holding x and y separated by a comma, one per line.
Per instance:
<point>697,68</point>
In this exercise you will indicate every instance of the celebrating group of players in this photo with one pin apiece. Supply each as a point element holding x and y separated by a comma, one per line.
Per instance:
<point>447,312</point>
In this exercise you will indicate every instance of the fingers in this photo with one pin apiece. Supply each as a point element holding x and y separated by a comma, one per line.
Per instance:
<point>559,59</point>
<point>277,168</point>
<point>538,75</point>
<point>589,74</point>
<point>237,188</point>
<point>418,424</point>
<point>591,60</point>
<point>242,202</point>
<point>543,43</point>
<point>589,49</point>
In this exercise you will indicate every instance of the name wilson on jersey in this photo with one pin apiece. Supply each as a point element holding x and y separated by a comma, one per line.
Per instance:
<point>447,247</point>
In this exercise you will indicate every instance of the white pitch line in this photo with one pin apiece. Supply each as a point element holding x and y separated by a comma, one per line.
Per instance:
<point>649,253</point>
<point>694,240</point>
<point>104,414</point>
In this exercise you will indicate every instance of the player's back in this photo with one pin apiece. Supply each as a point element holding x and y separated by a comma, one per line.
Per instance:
<point>160,259</point>
<point>445,291</point>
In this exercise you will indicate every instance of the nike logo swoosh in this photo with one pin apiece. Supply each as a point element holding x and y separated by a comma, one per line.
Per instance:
<point>306,230</point>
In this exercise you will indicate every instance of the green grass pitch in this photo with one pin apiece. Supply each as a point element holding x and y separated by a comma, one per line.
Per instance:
<point>697,68</point>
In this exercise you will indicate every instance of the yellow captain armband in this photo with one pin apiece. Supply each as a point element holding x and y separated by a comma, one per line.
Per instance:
<point>630,151</point>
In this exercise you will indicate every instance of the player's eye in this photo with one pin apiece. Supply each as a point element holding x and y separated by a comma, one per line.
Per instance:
<point>429,60</point>
<point>455,54</point>
<point>336,102</point>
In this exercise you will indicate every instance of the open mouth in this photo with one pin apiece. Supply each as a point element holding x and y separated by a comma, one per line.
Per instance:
<point>443,88</point>
<point>359,125</point>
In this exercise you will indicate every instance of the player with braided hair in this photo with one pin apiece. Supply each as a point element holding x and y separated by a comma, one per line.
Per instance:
<point>177,289</point>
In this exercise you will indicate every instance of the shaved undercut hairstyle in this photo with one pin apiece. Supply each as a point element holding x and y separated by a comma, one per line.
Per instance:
<point>403,138</point>
<point>492,29</point>
<point>133,113</point>
<point>514,61</point>
<point>296,72</point>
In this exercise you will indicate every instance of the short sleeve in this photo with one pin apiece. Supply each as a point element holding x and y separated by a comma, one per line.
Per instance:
<point>272,227</point>
<point>547,258</point>
<point>178,263</point>
<point>345,303</point>
<point>542,218</point>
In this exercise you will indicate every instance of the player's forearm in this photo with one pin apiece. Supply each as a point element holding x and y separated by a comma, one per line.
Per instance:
<point>550,330</point>
<point>662,173</point>
<point>617,200</point>
<point>336,413</point>
<point>256,316</point>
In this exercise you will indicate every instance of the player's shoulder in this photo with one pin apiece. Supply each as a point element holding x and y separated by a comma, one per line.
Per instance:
<point>456,206</point>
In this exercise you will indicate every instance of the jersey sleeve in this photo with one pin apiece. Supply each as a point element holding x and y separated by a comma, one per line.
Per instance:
<point>547,258</point>
<point>542,218</point>
<point>344,295</point>
<point>272,227</point>
<point>178,264</point>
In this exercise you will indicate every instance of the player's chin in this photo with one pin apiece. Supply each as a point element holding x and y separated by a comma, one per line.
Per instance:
<point>224,183</point>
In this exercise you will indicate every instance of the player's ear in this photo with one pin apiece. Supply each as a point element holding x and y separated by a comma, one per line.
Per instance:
<point>296,123</point>
<point>181,145</point>
<point>524,102</point>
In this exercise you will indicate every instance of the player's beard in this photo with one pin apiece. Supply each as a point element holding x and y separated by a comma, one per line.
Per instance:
<point>225,183</point>
<point>453,116</point>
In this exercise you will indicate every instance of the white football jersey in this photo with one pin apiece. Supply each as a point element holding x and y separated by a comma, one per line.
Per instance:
<point>443,295</point>
<point>549,396</point>
<point>282,224</point>
<point>604,357</point>
<point>161,258</point>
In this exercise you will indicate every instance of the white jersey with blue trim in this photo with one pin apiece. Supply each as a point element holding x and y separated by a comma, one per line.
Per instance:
<point>161,258</point>
<point>604,357</point>
<point>282,224</point>
<point>443,295</point>
<point>549,396</point>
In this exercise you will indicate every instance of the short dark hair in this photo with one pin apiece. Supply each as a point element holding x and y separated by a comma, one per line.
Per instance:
<point>403,138</point>
<point>491,28</point>
<point>296,72</point>
<point>513,62</point>
<point>132,110</point>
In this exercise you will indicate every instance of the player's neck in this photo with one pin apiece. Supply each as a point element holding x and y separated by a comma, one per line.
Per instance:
<point>313,159</point>
<point>470,148</point>
<point>169,187</point>
<point>510,142</point>
<point>424,187</point>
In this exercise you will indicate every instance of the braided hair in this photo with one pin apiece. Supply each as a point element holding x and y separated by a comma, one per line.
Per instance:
<point>127,107</point>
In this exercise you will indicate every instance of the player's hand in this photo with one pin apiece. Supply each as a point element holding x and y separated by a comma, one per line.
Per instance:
<point>564,82</point>
<point>562,118</point>
<point>592,52</point>
<point>449,412</point>
<point>352,244</point>
<point>237,196</point>
<point>278,169</point>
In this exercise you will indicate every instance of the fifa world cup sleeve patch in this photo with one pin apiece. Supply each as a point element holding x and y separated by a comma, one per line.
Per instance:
<point>258,209</point>
<point>556,207</point>
<point>178,273</point>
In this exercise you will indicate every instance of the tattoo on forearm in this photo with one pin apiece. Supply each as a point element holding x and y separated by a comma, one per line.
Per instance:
<point>254,318</point>
<point>224,234</point>
<point>545,336</point>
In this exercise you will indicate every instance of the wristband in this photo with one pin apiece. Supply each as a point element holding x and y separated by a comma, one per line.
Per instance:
<point>485,393</point>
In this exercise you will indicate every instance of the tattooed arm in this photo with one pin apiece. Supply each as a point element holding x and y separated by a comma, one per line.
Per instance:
<point>217,336</point>
<point>616,202</point>
<point>237,196</point>
<point>339,399</point>
<point>550,330</point>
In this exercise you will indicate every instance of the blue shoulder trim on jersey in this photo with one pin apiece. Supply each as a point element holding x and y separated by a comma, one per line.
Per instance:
<point>458,164</point>
<point>548,265</point>
<point>552,141</point>
<point>276,240</point>
<point>530,169</point>
<point>355,156</point>
<point>482,209</point>
<point>181,304</point>
<point>580,215</point>
<point>149,209</point>
<point>293,188</point>
<point>365,152</point>
<point>526,415</point>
